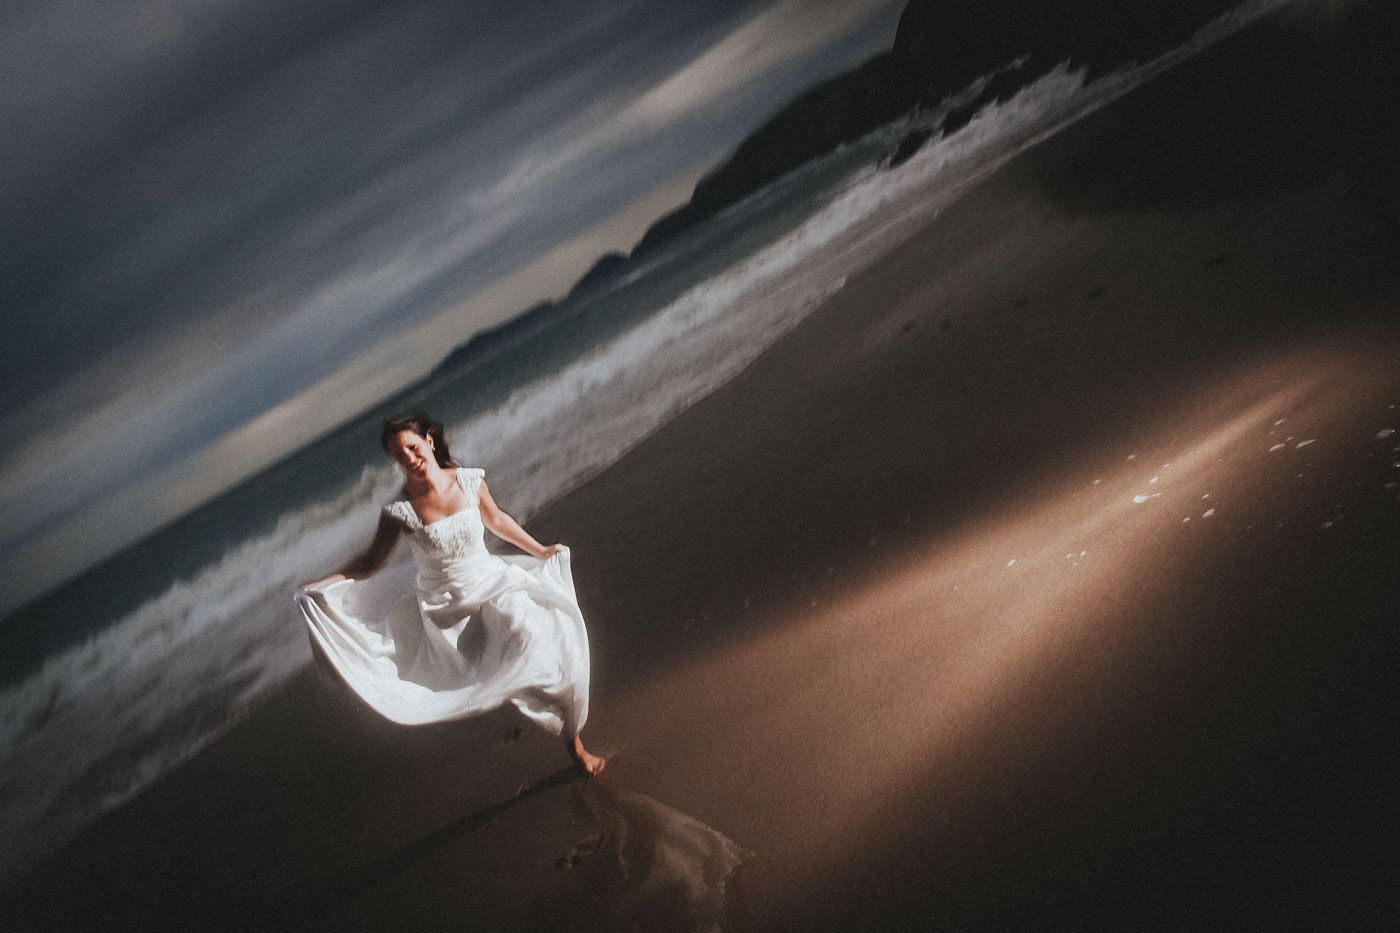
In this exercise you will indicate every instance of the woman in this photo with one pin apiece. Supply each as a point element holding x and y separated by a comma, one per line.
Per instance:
<point>470,630</point>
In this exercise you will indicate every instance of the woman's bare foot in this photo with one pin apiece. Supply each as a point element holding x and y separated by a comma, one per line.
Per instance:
<point>588,761</point>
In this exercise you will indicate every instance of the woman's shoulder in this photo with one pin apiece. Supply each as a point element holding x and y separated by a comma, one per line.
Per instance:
<point>400,509</point>
<point>470,478</point>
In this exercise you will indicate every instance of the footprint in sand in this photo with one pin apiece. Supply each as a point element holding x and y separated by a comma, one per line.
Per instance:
<point>579,851</point>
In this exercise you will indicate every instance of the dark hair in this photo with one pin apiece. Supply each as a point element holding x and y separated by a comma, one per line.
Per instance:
<point>419,423</point>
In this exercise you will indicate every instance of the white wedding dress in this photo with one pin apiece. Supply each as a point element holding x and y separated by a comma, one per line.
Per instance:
<point>458,630</point>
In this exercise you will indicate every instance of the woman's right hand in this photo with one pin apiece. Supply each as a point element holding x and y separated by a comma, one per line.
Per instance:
<point>324,582</point>
<point>385,536</point>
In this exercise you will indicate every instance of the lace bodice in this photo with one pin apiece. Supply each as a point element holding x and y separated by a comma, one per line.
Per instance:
<point>455,538</point>
<point>470,631</point>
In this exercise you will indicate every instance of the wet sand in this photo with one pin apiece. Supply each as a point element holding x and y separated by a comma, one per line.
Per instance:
<point>1044,577</point>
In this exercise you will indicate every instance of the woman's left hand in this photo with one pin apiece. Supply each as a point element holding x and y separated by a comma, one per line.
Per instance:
<point>550,551</point>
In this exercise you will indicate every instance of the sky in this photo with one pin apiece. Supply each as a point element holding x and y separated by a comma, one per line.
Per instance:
<point>227,226</point>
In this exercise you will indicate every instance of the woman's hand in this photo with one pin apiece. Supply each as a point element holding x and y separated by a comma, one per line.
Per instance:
<point>324,581</point>
<point>385,537</point>
<point>499,523</point>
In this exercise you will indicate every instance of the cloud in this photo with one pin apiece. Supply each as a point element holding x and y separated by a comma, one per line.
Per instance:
<point>296,240</point>
<point>155,474</point>
<point>785,31</point>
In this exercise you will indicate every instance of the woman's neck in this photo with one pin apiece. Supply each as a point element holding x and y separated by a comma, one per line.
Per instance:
<point>431,481</point>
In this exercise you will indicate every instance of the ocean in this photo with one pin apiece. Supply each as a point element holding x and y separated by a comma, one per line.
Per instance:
<point>127,671</point>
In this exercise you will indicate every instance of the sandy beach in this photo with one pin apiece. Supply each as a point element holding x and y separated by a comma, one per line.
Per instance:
<point>1043,577</point>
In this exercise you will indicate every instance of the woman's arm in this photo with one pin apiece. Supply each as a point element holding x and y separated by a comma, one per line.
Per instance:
<point>373,557</point>
<point>507,528</point>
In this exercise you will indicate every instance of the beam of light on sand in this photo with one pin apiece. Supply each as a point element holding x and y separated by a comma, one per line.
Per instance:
<point>849,706</point>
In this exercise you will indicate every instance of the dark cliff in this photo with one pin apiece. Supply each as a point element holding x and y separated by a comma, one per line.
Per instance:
<point>939,48</point>
<point>839,110</point>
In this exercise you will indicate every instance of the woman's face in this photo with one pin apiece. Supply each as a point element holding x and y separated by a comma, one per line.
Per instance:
<point>412,452</point>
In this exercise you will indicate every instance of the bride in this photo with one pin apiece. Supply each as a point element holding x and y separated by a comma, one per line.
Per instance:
<point>459,630</point>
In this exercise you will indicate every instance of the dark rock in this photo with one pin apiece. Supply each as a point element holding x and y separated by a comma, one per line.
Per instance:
<point>942,45</point>
<point>604,270</point>
<point>837,111</point>
<point>527,322</point>
<point>912,142</point>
